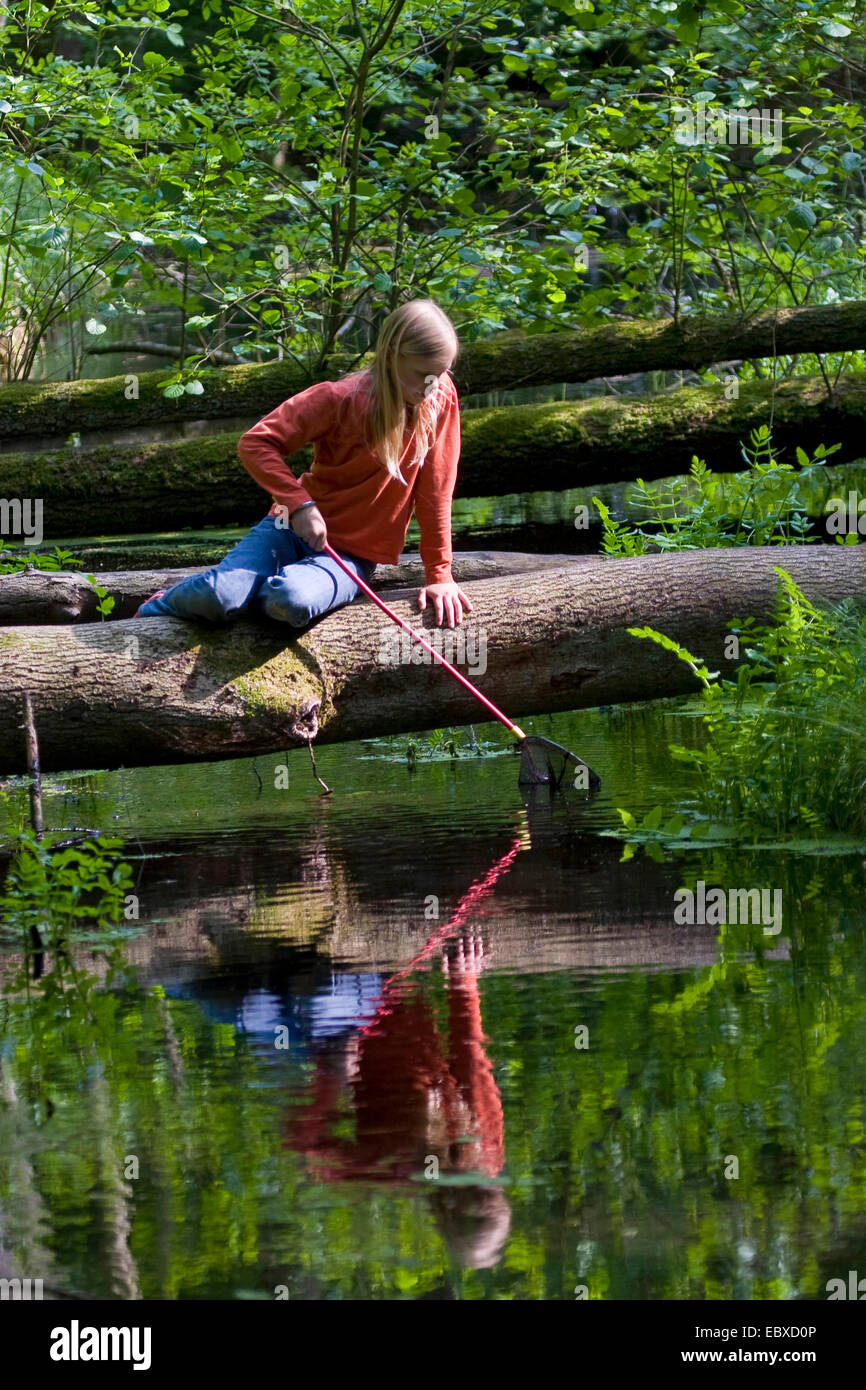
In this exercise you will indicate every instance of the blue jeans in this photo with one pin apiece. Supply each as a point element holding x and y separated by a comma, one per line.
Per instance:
<point>271,571</point>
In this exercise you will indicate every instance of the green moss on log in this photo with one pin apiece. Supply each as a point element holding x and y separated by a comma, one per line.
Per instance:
<point>114,489</point>
<point>508,449</point>
<point>64,407</point>
<point>281,684</point>
<point>274,687</point>
<point>37,408</point>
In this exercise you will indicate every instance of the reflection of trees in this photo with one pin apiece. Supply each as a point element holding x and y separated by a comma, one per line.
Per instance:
<point>112,1194</point>
<point>25,1229</point>
<point>615,1154</point>
<point>59,1023</point>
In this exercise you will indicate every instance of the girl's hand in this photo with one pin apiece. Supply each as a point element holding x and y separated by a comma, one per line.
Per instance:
<point>448,602</point>
<point>309,524</point>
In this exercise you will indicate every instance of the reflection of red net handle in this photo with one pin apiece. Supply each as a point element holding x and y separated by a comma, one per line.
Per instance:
<point>466,906</point>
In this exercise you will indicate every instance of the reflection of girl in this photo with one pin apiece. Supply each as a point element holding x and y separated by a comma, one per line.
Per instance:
<point>386,441</point>
<point>412,1105</point>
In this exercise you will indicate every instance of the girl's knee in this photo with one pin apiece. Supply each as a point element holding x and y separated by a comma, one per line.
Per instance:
<point>288,602</point>
<point>212,598</point>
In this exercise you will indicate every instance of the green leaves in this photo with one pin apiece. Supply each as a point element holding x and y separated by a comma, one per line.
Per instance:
<point>105,603</point>
<point>13,563</point>
<point>688,22</point>
<point>64,892</point>
<point>261,134</point>
<point>785,747</point>
<point>230,148</point>
<point>701,671</point>
<point>802,216</point>
<point>834,29</point>
<point>765,505</point>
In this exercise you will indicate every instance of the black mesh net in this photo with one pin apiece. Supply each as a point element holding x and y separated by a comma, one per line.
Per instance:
<point>544,763</point>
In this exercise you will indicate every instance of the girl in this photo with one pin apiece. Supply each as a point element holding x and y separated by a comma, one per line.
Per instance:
<point>385,440</point>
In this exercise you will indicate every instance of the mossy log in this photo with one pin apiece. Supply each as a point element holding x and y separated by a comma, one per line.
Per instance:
<point>159,690</point>
<point>40,597</point>
<point>507,449</point>
<point>615,349</point>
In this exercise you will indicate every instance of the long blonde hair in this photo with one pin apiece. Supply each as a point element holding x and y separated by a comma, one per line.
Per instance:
<point>420,328</point>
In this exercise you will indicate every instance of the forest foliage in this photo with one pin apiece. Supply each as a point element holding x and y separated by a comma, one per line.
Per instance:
<point>272,178</point>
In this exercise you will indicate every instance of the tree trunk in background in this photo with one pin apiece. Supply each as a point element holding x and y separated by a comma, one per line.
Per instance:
<point>508,449</point>
<point>616,349</point>
<point>159,690</point>
<point>39,597</point>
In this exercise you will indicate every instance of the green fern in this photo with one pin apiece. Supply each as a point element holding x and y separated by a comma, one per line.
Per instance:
<point>767,504</point>
<point>785,745</point>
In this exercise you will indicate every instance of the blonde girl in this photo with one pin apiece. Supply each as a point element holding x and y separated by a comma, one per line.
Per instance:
<point>386,442</point>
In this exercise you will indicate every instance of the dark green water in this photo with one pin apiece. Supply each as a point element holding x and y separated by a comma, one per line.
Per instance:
<point>251,1100</point>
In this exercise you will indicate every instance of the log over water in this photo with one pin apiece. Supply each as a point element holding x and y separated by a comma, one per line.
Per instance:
<point>508,449</point>
<point>158,690</point>
<point>41,596</point>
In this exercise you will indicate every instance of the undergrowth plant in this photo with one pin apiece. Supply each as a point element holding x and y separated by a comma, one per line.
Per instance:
<point>104,601</point>
<point>60,893</point>
<point>438,745</point>
<point>766,504</point>
<point>12,561</point>
<point>785,750</point>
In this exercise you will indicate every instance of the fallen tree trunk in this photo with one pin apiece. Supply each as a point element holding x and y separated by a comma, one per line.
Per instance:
<point>197,552</point>
<point>145,347</point>
<point>158,690</point>
<point>509,449</point>
<point>43,597</point>
<point>616,349</point>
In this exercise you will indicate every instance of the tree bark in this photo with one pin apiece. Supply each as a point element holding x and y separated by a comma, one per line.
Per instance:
<point>506,449</point>
<point>36,597</point>
<point>616,349</point>
<point>148,349</point>
<point>159,690</point>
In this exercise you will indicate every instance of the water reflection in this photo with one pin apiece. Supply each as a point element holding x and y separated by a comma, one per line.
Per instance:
<point>421,1092</point>
<point>322,1012</point>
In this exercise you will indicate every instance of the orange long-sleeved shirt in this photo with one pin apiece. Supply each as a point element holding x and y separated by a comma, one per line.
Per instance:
<point>367,512</point>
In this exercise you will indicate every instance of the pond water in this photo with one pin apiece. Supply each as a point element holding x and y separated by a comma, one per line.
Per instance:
<point>430,1038</point>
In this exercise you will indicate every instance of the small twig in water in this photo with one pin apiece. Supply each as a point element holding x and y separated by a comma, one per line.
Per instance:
<point>31,743</point>
<point>326,788</point>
